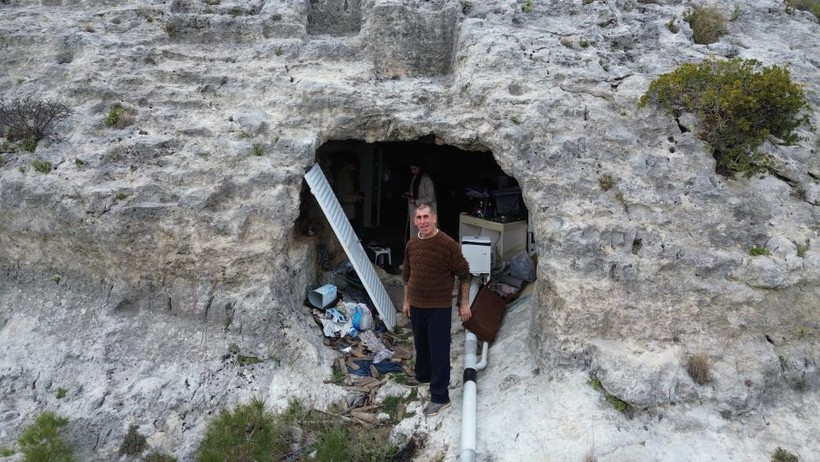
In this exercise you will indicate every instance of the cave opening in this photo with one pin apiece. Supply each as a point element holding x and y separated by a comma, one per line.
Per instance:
<point>474,196</point>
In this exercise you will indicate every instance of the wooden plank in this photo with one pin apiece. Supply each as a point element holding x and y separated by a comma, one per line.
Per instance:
<point>365,381</point>
<point>364,423</point>
<point>402,353</point>
<point>359,389</point>
<point>358,414</point>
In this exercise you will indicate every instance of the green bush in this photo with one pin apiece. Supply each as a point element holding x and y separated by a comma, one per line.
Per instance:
<point>707,23</point>
<point>782,455</point>
<point>251,433</point>
<point>247,433</point>
<point>812,6</point>
<point>23,118</point>
<point>739,103</point>
<point>41,442</point>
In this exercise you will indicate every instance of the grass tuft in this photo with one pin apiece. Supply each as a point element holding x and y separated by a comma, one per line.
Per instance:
<point>42,166</point>
<point>708,24</point>
<point>759,250</point>
<point>782,455</point>
<point>698,368</point>
<point>812,6</point>
<point>595,383</point>
<point>134,443</point>
<point>390,405</point>
<point>118,117</point>
<point>29,144</point>
<point>157,456</point>
<point>606,182</point>
<point>672,25</point>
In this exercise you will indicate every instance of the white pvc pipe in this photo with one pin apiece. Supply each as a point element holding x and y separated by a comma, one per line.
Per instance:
<point>468,409</point>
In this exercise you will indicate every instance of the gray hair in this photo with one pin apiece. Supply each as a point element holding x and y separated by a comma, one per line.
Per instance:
<point>428,205</point>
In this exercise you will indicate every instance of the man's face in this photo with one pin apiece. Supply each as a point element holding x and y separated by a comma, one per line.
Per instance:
<point>415,170</point>
<point>425,221</point>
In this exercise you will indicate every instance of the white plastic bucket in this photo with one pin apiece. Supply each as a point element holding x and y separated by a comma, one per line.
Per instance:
<point>323,296</point>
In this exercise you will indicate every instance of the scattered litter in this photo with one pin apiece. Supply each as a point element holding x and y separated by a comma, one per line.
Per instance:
<point>372,343</point>
<point>362,367</point>
<point>367,351</point>
<point>323,296</point>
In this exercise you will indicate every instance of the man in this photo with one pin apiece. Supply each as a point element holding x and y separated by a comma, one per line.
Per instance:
<point>421,191</point>
<point>431,261</point>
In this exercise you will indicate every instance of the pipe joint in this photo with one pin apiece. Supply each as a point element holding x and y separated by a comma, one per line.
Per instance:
<point>470,375</point>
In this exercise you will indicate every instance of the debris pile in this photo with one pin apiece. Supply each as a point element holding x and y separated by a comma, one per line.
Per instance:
<point>370,357</point>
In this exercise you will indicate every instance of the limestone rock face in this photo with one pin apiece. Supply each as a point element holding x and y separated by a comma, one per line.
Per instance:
<point>128,271</point>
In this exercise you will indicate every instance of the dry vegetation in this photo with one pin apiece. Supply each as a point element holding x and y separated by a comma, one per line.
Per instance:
<point>698,368</point>
<point>708,24</point>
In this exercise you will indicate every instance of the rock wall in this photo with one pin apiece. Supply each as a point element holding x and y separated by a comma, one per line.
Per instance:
<point>173,224</point>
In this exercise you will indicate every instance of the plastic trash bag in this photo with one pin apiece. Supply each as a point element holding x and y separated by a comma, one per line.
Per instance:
<point>522,267</point>
<point>372,343</point>
<point>360,316</point>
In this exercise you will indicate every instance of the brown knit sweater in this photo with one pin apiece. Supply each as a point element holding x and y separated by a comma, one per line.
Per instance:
<point>429,267</point>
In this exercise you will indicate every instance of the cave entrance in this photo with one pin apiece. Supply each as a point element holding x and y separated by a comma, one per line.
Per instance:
<point>474,196</point>
<point>478,205</point>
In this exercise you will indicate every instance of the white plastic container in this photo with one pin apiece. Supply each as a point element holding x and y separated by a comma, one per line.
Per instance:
<point>478,251</point>
<point>323,296</point>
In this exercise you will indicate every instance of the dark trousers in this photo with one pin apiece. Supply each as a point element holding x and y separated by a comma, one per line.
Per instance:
<point>431,335</point>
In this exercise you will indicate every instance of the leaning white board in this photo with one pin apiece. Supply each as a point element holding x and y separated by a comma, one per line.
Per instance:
<point>352,246</point>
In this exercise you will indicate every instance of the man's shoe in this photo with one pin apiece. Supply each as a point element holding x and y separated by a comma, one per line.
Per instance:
<point>434,408</point>
<point>412,382</point>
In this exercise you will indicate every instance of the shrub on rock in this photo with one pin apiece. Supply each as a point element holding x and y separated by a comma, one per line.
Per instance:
<point>739,103</point>
<point>29,118</point>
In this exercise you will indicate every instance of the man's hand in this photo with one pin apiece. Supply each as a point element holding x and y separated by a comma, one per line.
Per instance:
<point>406,310</point>
<point>465,313</point>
